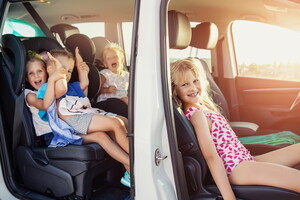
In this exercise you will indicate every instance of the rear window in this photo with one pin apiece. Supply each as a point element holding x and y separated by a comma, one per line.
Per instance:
<point>21,28</point>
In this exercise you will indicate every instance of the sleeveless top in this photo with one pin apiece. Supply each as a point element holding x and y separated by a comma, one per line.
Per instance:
<point>229,148</point>
<point>120,81</point>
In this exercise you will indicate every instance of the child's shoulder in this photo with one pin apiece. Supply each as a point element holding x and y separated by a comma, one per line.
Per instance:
<point>192,110</point>
<point>27,91</point>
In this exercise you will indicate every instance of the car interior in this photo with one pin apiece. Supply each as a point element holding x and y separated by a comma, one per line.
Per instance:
<point>254,105</point>
<point>70,172</point>
<point>194,162</point>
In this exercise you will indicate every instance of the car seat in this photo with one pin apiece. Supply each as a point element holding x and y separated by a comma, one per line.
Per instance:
<point>87,50</point>
<point>60,171</point>
<point>64,31</point>
<point>198,179</point>
<point>100,43</point>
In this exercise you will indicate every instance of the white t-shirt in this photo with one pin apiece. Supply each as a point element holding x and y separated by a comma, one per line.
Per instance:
<point>41,127</point>
<point>120,81</point>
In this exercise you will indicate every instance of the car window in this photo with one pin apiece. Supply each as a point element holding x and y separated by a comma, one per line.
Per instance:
<point>127,38</point>
<point>176,54</point>
<point>21,28</point>
<point>92,29</point>
<point>268,52</point>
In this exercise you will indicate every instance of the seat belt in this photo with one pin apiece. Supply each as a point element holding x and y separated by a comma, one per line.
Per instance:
<point>220,64</point>
<point>38,20</point>
<point>17,124</point>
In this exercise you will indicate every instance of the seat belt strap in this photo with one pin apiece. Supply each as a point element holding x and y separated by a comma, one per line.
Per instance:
<point>17,124</point>
<point>220,64</point>
<point>38,20</point>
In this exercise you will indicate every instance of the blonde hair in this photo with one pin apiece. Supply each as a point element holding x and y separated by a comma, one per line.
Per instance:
<point>33,56</point>
<point>178,72</point>
<point>115,47</point>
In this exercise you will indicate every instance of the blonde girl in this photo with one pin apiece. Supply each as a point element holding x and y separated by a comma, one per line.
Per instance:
<point>115,77</point>
<point>228,160</point>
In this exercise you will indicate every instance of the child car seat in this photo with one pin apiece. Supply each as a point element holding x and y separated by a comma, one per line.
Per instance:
<point>64,31</point>
<point>59,171</point>
<point>87,51</point>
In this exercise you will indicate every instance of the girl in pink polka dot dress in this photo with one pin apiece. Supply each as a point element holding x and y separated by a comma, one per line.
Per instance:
<point>228,160</point>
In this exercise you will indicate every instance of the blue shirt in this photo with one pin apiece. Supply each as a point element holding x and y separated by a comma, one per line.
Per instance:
<point>74,89</point>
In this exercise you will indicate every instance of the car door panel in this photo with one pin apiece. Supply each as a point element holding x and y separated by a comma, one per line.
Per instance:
<point>267,102</point>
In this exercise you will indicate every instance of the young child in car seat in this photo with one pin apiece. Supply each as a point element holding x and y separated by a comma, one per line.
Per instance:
<point>115,78</point>
<point>228,160</point>
<point>106,129</point>
<point>36,76</point>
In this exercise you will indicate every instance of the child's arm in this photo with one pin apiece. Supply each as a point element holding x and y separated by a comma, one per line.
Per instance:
<point>83,71</point>
<point>214,162</point>
<point>54,66</point>
<point>111,89</point>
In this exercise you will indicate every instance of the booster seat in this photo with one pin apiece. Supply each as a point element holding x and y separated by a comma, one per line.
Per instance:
<point>59,171</point>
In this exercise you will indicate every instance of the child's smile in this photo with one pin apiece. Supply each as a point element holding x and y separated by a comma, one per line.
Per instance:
<point>113,61</point>
<point>39,83</point>
<point>189,89</point>
<point>36,74</point>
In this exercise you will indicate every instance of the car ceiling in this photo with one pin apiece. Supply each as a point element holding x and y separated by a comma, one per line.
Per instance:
<point>280,12</point>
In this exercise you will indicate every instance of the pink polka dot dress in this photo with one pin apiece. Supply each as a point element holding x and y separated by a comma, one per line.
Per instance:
<point>229,148</point>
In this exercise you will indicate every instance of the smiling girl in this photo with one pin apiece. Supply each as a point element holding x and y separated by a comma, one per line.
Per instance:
<point>36,76</point>
<point>228,160</point>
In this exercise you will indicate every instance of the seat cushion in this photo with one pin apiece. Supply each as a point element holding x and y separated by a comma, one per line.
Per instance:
<point>86,152</point>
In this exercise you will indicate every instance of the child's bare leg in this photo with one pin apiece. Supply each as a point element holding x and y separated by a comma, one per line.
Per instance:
<point>287,156</point>
<point>109,146</point>
<point>110,124</point>
<point>125,99</point>
<point>263,173</point>
<point>124,119</point>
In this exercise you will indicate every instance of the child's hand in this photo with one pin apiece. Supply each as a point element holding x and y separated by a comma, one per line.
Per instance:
<point>53,64</point>
<point>60,73</point>
<point>78,58</point>
<point>83,67</point>
<point>112,89</point>
<point>80,64</point>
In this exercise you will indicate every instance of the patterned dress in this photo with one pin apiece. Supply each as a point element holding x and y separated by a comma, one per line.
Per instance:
<point>229,148</point>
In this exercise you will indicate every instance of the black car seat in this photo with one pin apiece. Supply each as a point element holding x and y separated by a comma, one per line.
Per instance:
<point>198,178</point>
<point>100,43</point>
<point>84,43</point>
<point>205,36</point>
<point>60,171</point>
<point>87,50</point>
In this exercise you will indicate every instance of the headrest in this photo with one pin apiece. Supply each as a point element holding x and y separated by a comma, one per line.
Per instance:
<point>64,31</point>
<point>14,56</point>
<point>39,44</point>
<point>100,43</point>
<point>179,30</point>
<point>84,43</point>
<point>94,79</point>
<point>205,36</point>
